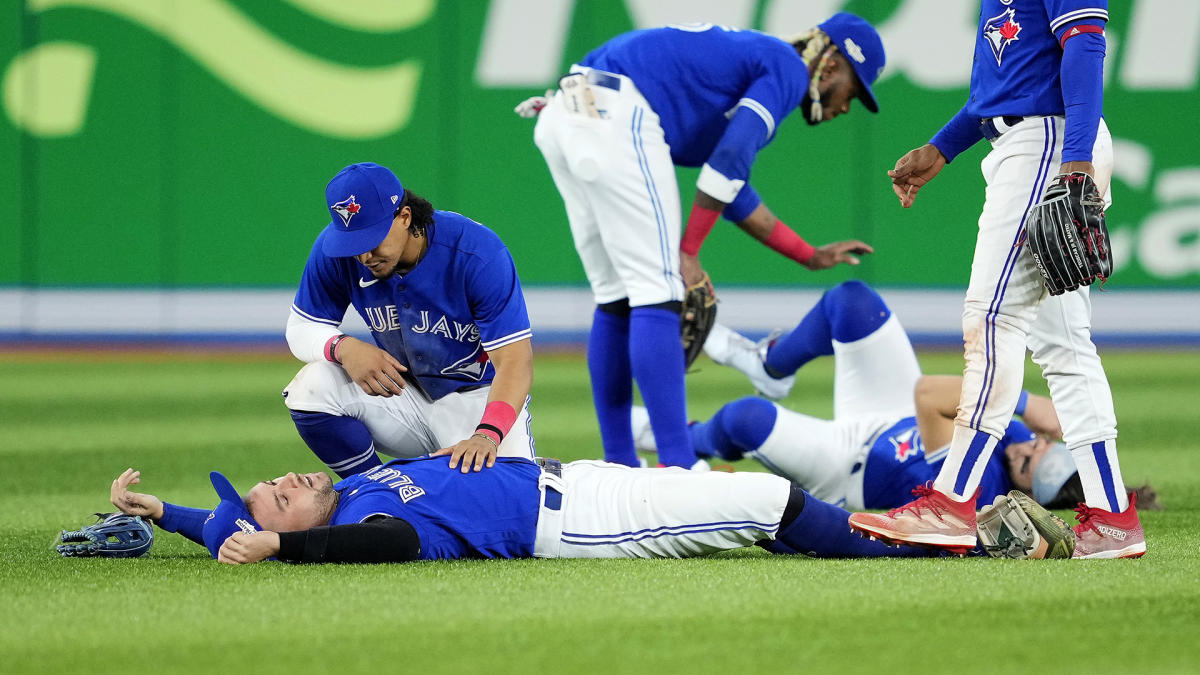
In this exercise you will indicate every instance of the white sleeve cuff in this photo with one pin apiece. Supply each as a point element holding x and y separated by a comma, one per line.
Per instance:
<point>717,186</point>
<point>306,338</point>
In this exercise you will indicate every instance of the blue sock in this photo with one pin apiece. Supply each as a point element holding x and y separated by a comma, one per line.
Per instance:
<point>738,427</point>
<point>343,443</point>
<point>847,312</point>
<point>656,358</point>
<point>612,385</point>
<point>822,530</point>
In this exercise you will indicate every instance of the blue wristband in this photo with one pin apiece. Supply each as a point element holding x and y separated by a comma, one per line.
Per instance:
<point>1022,401</point>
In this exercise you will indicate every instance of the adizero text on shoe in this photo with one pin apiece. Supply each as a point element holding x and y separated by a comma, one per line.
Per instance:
<point>1104,534</point>
<point>933,520</point>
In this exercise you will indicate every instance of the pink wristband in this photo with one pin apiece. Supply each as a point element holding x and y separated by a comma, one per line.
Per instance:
<point>700,223</point>
<point>498,418</point>
<point>790,244</point>
<point>331,347</point>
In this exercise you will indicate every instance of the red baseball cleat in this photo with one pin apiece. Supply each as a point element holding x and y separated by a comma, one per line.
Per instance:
<point>1104,534</point>
<point>933,521</point>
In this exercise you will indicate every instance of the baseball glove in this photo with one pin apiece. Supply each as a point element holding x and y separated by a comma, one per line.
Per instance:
<point>699,315</point>
<point>114,535</point>
<point>1067,236</point>
<point>1016,526</point>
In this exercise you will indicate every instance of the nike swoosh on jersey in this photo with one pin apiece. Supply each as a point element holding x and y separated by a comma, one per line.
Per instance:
<point>363,283</point>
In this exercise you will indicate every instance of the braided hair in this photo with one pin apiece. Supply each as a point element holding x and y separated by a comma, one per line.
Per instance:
<point>815,48</point>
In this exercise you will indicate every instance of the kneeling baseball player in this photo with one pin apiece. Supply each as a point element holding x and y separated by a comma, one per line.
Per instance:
<point>421,509</point>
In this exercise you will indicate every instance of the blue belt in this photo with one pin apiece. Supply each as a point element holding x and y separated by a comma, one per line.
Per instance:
<point>553,498</point>
<point>991,132</point>
<point>603,79</point>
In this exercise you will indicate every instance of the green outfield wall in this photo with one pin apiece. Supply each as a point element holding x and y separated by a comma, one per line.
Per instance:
<point>187,143</point>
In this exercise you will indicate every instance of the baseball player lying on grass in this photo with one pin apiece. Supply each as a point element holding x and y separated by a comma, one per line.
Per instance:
<point>451,365</point>
<point>421,509</point>
<point>891,425</point>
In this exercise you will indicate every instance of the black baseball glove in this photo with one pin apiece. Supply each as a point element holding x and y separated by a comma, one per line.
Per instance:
<point>1067,236</point>
<point>699,315</point>
<point>114,535</point>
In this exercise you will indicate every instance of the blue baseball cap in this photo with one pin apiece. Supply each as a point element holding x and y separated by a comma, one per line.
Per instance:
<point>230,515</point>
<point>363,198</point>
<point>860,43</point>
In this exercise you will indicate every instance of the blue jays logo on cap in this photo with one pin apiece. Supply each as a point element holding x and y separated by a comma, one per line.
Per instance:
<point>346,209</point>
<point>1001,31</point>
<point>364,218</point>
<point>863,48</point>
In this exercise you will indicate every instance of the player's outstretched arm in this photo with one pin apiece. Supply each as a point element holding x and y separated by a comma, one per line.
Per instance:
<point>510,388</point>
<point>134,503</point>
<point>916,168</point>
<point>764,226</point>
<point>377,372</point>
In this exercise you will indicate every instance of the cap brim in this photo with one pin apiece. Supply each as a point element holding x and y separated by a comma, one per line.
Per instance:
<point>865,94</point>
<point>342,243</point>
<point>224,488</point>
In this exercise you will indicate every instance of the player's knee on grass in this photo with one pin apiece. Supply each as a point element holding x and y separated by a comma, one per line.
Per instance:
<point>316,387</point>
<point>854,311</point>
<point>745,425</point>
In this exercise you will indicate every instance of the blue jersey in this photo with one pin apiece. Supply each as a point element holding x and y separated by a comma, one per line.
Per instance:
<point>719,92</point>
<point>441,318</point>
<point>1018,56</point>
<point>897,463</point>
<point>486,514</point>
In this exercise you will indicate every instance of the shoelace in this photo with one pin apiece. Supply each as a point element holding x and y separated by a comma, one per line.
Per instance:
<point>923,493</point>
<point>1083,513</point>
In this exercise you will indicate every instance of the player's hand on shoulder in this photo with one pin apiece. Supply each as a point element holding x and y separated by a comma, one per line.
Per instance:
<point>472,454</point>
<point>838,252</point>
<point>916,168</point>
<point>377,372</point>
<point>242,548</point>
<point>134,503</point>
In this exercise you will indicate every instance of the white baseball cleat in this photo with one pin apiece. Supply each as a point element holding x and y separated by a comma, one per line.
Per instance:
<point>729,348</point>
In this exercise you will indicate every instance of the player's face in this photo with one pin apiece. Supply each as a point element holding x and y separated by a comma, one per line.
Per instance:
<point>398,252</point>
<point>839,87</point>
<point>1023,458</point>
<point>292,502</point>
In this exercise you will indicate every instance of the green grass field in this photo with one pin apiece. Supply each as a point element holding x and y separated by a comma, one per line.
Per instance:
<point>70,422</point>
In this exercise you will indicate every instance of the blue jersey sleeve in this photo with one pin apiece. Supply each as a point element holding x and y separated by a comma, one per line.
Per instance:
<point>497,303</point>
<point>323,295</point>
<point>1082,77</point>
<point>959,134</point>
<point>743,205</point>
<point>185,520</point>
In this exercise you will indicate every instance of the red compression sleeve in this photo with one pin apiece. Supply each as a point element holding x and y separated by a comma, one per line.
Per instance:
<point>790,244</point>
<point>498,418</point>
<point>700,223</point>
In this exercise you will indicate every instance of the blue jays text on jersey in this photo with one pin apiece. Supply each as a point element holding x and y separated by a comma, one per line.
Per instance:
<point>488,514</point>
<point>462,299</point>
<point>719,94</point>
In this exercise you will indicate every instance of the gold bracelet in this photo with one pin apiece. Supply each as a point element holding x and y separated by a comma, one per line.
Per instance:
<point>489,439</point>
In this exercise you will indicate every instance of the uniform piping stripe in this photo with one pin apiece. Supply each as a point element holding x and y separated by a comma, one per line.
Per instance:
<point>579,539</point>
<point>989,371</point>
<point>978,443</point>
<point>508,339</point>
<point>758,109</point>
<point>1087,13</point>
<point>310,317</point>
<point>660,221</point>
<point>353,461</point>
<point>1100,452</point>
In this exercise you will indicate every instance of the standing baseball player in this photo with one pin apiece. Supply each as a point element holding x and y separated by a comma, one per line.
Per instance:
<point>1036,95</point>
<point>634,108</point>
<point>451,365</point>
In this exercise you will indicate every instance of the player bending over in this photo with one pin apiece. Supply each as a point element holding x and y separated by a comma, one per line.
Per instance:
<point>891,425</point>
<point>421,509</point>
<point>451,365</point>
<point>628,113</point>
